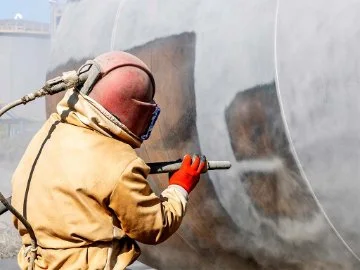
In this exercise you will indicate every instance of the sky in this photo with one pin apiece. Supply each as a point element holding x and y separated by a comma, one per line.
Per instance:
<point>33,10</point>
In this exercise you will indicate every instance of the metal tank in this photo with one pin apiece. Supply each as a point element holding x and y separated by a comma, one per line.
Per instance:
<point>272,86</point>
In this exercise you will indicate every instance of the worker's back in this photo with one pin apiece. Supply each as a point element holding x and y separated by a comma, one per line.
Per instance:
<point>64,191</point>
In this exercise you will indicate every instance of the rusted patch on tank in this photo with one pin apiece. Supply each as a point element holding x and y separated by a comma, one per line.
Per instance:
<point>258,138</point>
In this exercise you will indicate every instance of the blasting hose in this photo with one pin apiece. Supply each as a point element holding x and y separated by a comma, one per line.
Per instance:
<point>33,247</point>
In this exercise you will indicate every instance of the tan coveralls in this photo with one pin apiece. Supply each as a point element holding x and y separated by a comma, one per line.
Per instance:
<point>83,189</point>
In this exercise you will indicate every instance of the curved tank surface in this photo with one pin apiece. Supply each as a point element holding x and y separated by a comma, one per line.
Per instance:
<point>272,86</point>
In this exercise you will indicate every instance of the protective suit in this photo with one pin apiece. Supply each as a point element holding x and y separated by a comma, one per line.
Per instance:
<point>87,207</point>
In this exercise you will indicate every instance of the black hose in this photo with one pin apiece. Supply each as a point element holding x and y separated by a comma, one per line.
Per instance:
<point>18,216</point>
<point>27,226</point>
<point>3,208</point>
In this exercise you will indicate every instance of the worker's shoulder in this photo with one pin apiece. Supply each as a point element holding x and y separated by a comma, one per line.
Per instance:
<point>91,146</point>
<point>94,143</point>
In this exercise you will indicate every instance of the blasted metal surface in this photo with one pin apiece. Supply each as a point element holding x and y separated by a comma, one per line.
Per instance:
<point>233,59</point>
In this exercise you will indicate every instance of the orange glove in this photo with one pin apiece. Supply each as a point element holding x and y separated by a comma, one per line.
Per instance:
<point>189,173</point>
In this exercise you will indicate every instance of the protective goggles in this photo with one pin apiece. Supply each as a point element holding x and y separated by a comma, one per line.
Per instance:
<point>154,117</point>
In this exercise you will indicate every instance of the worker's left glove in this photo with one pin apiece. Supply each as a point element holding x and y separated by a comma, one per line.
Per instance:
<point>189,173</point>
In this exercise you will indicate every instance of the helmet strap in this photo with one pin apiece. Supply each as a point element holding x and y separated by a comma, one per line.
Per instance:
<point>95,73</point>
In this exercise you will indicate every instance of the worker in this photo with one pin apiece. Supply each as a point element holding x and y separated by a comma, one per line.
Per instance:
<point>80,183</point>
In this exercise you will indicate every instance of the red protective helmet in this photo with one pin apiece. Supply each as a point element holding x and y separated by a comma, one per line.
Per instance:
<point>125,87</point>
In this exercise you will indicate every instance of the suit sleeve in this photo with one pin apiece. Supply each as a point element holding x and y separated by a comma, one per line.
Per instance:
<point>144,216</point>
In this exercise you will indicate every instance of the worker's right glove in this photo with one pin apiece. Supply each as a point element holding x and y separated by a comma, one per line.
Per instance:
<point>189,173</point>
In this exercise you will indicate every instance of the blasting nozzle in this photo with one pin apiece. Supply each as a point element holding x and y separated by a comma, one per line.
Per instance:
<point>171,166</point>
